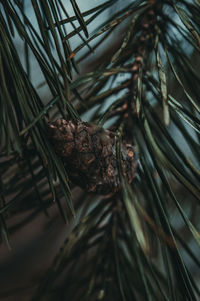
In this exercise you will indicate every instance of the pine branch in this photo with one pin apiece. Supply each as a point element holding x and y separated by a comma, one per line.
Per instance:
<point>125,245</point>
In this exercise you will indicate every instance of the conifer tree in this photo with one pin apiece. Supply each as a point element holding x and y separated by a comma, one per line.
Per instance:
<point>112,148</point>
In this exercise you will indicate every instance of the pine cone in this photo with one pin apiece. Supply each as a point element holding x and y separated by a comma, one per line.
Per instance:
<point>89,155</point>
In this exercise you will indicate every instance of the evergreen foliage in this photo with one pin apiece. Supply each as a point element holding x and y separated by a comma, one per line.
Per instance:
<point>145,86</point>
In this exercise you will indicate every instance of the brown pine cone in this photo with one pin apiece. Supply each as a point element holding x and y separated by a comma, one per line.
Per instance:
<point>89,155</point>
